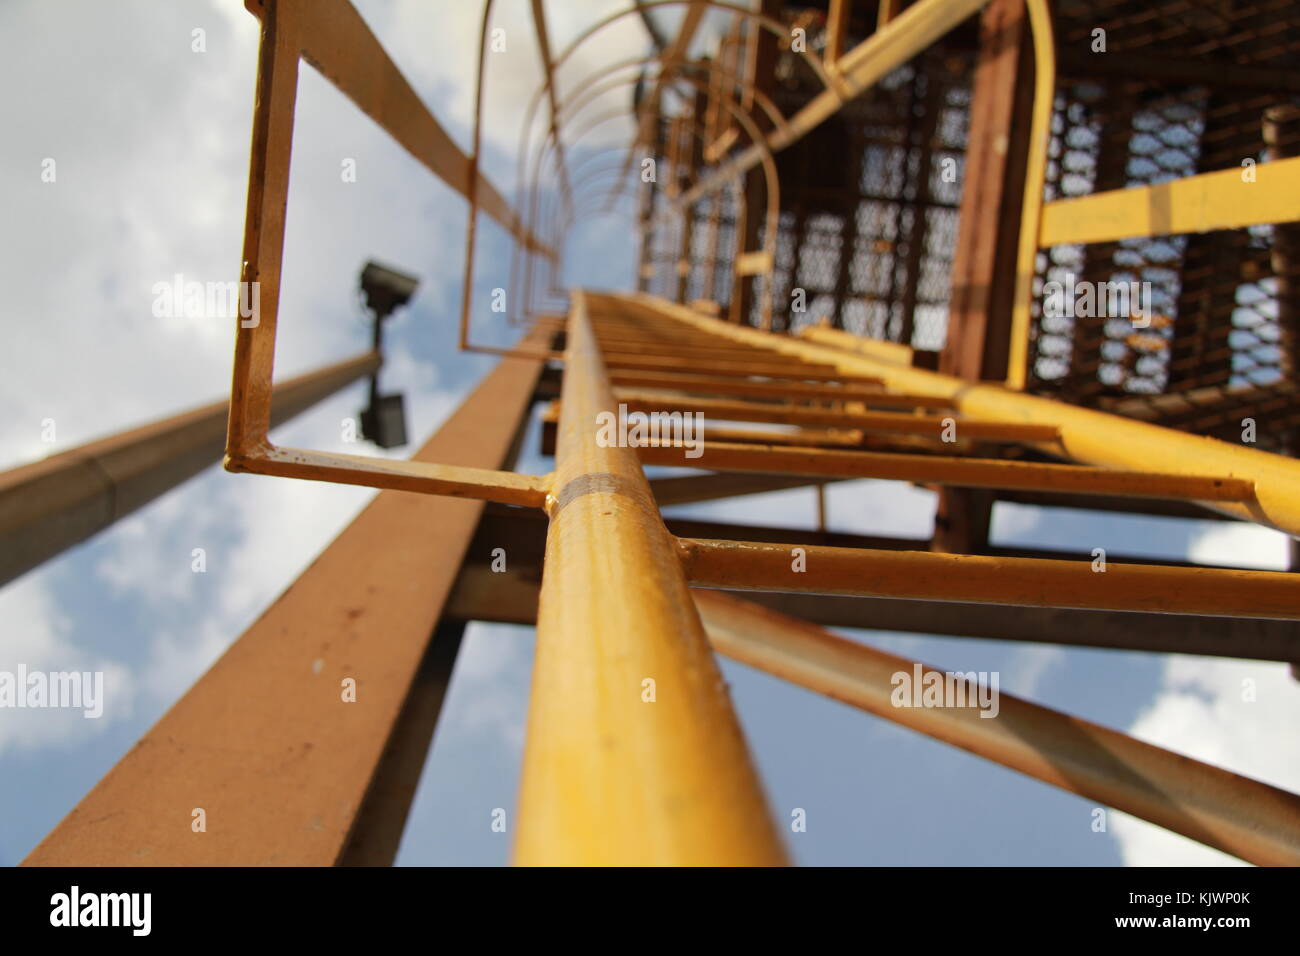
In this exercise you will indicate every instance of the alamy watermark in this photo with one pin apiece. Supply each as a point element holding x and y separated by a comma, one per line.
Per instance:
<point>129,910</point>
<point>179,299</point>
<point>83,690</point>
<point>929,688</point>
<point>642,429</point>
<point>1098,300</point>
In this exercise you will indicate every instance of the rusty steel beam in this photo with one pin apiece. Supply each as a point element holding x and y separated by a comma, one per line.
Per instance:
<point>838,16</point>
<point>510,596</point>
<point>50,505</point>
<point>962,472</point>
<point>609,775</point>
<point>981,579</point>
<point>265,742</point>
<point>988,231</point>
<point>1244,817</point>
<point>983,270</point>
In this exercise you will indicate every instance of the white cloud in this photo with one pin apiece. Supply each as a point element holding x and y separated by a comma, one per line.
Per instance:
<point>38,637</point>
<point>1238,544</point>
<point>150,182</point>
<point>1201,711</point>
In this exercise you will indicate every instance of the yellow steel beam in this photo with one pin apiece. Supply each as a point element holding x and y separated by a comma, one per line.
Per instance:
<point>754,263</point>
<point>980,579</point>
<point>715,385</point>
<point>1220,200</point>
<point>1232,813</point>
<point>455,481</point>
<point>634,755</point>
<point>885,351</point>
<point>740,369</point>
<point>1031,209</point>
<point>945,470</point>
<point>1087,436</point>
<point>837,29</point>
<point>932,426</point>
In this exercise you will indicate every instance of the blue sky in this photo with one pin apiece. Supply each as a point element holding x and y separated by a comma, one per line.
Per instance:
<point>151,144</point>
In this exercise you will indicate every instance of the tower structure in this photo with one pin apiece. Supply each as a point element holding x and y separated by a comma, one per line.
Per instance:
<point>815,287</point>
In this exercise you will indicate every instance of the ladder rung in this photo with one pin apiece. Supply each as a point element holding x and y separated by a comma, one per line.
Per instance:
<point>714,385</point>
<point>980,579</point>
<point>948,470</point>
<point>929,425</point>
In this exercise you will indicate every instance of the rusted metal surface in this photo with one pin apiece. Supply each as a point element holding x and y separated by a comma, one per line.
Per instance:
<point>265,743</point>
<point>1029,582</point>
<point>611,775</point>
<point>1240,816</point>
<point>430,478</point>
<point>51,505</point>
<point>332,36</point>
<point>983,271</point>
<point>511,597</point>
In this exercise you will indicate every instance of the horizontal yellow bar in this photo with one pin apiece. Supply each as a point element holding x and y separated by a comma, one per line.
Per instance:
<point>1221,200</point>
<point>455,481</point>
<point>840,339</point>
<point>713,385</point>
<point>777,369</point>
<point>753,263</point>
<point>1087,436</point>
<point>945,470</point>
<point>931,426</point>
<point>979,579</point>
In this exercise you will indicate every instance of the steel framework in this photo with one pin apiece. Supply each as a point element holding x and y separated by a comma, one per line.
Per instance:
<point>626,596</point>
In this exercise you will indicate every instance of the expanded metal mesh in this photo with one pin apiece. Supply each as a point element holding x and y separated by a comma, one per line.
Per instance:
<point>869,212</point>
<point>869,208</point>
<point>1216,343</point>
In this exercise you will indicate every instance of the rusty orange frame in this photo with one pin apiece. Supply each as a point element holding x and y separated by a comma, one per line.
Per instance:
<point>589,94</point>
<point>830,81</point>
<point>695,127</point>
<point>332,37</point>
